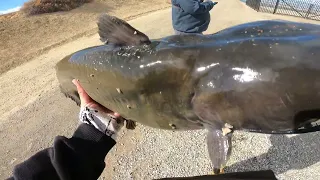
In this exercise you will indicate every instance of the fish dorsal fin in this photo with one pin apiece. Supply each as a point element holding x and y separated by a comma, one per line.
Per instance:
<point>118,32</point>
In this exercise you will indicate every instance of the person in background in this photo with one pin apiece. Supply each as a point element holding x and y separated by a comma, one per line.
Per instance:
<point>191,16</point>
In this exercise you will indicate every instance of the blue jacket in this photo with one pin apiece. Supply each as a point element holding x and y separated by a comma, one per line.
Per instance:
<point>191,16</point>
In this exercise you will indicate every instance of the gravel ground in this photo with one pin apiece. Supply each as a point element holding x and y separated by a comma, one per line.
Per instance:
<point>159,154</point>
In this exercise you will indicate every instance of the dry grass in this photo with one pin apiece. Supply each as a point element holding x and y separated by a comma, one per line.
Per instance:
<point>33,7</point>
<point>26,37</point>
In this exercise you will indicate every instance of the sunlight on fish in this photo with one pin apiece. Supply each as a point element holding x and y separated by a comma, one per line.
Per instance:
<point>150,64</point>
<point>247,76</point>
<point>210,84</point>
<point>207,67</point>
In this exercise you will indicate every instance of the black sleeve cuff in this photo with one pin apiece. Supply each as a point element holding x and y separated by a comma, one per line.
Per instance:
<point>102,142</point>
<point>88,132</point>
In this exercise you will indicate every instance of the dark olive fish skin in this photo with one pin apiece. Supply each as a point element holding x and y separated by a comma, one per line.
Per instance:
<point>256,76</point>
<point>152,93</point>
<point>262,77</point>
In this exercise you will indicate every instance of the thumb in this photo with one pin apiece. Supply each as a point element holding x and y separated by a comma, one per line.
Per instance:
<point>116,114</point>
<point>84,97</point>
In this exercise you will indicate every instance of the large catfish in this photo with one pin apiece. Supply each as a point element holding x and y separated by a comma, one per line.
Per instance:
<point>262,76</point>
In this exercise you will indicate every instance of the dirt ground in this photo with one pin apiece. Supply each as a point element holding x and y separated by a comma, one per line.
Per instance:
<point>33,111</point>
<point>23,38</point>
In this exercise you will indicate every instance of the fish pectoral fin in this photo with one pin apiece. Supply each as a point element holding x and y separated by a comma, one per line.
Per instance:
<point>219,149</point>
<point>227,129</point>
<point>118,32</point>
<point>130,124</point>
<point>217,171</point>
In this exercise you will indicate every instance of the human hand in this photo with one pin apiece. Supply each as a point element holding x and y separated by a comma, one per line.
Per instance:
<point>93,113</point>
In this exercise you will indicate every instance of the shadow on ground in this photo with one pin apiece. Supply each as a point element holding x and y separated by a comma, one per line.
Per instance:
<point>286,153</point>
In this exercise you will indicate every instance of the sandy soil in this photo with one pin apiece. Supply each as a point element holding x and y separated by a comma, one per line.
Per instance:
<point>33,112</point>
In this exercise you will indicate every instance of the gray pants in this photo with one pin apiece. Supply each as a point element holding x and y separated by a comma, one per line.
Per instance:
<point>183,33</point>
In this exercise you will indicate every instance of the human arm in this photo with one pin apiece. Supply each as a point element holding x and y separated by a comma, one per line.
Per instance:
<point>81,156</point>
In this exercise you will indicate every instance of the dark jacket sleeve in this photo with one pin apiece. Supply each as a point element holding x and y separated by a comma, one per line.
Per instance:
<point>194,7</point>
<point>251,175</point>
<point>79,157</point>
